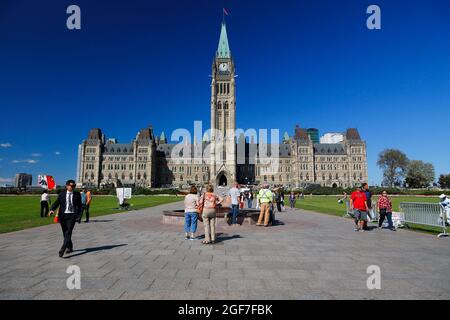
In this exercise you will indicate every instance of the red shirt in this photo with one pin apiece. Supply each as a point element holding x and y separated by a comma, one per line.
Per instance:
<point>359,198</point>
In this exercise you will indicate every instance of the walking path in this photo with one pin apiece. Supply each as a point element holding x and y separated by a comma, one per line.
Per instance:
<point>312,256</point>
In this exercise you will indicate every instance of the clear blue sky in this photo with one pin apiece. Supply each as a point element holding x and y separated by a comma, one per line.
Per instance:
<point>136,62</point>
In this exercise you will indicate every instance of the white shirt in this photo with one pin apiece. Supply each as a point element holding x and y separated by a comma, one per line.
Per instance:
<point>45,197</point>
<point>234,193</point>
<point>446,205</point>
<point>69,194</point>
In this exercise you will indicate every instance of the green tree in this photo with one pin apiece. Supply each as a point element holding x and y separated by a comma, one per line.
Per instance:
<point>394,163</point>
<point>444,181</point>
<point>419,174</point>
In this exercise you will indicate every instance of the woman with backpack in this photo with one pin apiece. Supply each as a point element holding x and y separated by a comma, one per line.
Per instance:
<point>209,201</point>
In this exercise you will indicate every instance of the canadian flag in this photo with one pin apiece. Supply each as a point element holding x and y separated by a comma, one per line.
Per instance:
<point>46,182</point>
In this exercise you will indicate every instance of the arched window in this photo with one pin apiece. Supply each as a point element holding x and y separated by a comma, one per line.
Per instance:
<point>131,176</point>
<point>228,88</point>
<point>220,88</point>
<point>92,176</point>
<point>109,176</point>
<point>226,105</point>
<point>219,105</point>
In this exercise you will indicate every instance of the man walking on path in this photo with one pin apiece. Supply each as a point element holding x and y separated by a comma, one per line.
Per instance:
<point>264,198</point>
<point>45,201</point>
<point>83,194</point>
<point>88,203</point>
<point>235,195</point>
<point>69,204</point>
<point>358,204</point>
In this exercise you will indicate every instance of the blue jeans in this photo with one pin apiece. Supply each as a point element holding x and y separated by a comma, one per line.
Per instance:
<point>388,215</point>
<point>234,213</point>
<point>249,203</point>
<point>190,222</point>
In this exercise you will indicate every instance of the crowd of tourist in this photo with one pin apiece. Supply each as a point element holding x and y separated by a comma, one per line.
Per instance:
<point>203,206</point>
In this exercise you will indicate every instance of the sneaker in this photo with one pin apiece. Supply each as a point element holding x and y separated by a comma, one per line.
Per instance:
<point>362,230</point>
<point>191,238</point>
<point>356,229</point>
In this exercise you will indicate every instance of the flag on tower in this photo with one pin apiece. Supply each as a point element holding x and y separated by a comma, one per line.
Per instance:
<point>46,182</point>
<point>225,12</point>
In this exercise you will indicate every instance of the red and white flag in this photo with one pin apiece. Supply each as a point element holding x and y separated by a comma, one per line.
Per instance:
<point>46,182</point>
<point>225,12</point>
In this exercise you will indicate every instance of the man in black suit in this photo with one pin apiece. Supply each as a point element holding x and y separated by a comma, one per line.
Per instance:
<point>69,204</point>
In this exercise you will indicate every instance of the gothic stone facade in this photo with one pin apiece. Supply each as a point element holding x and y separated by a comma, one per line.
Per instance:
<point>149,161</point>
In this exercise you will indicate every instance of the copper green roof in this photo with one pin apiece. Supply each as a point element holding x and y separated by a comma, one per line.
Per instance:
<point>223,49</point>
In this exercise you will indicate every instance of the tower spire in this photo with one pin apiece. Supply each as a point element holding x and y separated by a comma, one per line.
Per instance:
<point>223,49</point>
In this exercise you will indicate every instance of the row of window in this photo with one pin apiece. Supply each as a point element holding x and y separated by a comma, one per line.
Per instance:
<point>331,167</point>
<point>117,166</point>
<point>116,176</point>
<point>223,88</point>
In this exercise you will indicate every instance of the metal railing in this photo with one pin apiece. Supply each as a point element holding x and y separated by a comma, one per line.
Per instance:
<point>428,214</point>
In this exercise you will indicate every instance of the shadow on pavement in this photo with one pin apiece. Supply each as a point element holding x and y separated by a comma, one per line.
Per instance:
<point>97,220</point>
<point>94,249</point>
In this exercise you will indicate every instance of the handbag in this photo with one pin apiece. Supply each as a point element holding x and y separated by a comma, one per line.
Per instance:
<point>56,219</point>
<point>200,209</point>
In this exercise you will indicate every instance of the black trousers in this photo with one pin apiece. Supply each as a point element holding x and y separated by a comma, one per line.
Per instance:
<point>87,212</point>
<point>44,208</point>
<point>279,206</point>
<point>84,209</point>
<point>67,222</point>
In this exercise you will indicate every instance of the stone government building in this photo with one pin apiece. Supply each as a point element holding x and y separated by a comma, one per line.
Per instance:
<point>148,160</point>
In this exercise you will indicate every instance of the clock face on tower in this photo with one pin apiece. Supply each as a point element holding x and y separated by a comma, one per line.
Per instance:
<point>223,67</point>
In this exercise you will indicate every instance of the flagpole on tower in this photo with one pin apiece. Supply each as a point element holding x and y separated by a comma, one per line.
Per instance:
<point>224,13</point>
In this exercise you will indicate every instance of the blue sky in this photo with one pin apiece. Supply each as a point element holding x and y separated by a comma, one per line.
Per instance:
<point>136,62</point>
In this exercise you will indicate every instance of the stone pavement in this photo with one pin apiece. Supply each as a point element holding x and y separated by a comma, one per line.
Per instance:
<point>312,256</point>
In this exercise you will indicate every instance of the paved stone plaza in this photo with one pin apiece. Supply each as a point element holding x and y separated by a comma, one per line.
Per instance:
<point>312,256</point>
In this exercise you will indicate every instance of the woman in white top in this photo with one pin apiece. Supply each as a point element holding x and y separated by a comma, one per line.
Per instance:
<point>45,200</point>
<point>191,210</point>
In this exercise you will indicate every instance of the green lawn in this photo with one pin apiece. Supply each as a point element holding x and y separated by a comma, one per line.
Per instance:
<point>330,205</point>
<point>22,212</point>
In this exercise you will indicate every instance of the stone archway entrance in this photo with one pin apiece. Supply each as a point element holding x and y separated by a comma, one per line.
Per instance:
<point>222,179</point>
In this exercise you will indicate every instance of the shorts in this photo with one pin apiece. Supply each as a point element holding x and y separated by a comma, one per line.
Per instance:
<point>360,215</point>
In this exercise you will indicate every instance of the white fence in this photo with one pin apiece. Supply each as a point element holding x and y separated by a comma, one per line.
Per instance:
<point>428,214</point>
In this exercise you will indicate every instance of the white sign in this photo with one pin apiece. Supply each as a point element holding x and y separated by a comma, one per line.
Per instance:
<point>123,193</point>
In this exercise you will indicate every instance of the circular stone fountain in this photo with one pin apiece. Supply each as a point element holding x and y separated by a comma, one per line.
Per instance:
<point>246,216</point>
